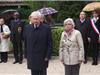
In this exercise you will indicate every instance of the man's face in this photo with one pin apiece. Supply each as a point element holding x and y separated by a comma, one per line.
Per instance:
<point>35,20</point>
<point>82,15</point>
<point>1,21</point>
<point>16,15</point>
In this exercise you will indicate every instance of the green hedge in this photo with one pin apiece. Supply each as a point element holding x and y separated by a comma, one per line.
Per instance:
<point>56,34</point>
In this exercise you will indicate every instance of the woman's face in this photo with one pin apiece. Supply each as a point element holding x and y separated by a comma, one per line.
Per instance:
<point>68,25</point>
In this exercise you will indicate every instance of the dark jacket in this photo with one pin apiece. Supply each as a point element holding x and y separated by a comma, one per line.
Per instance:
<point>93,35</point>
<point>15,34</point>
<point>84,28</point>
<point>38,46</point>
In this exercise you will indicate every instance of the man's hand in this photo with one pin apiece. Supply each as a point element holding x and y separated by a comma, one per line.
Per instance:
<point>46,59</point>
<point>89,39</point>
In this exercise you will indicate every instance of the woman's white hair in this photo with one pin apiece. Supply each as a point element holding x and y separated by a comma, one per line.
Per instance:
<point>71,20</point>
<point>36,14</point>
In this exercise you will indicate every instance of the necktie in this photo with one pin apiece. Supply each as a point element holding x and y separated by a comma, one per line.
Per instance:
<point>35,26</point>
<point>1,28</point>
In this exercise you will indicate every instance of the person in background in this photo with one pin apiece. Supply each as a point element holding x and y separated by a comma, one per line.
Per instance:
<point>17,25</point>
<point>38,40</point>
<point>43,19</point>
<point>71,50</point>
<point>95,36</point>
<point>50,20</point>
<point>4,41</point>
<point>83,25</point>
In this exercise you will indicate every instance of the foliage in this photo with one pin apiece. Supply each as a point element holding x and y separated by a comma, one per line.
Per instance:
<point>56,34</point>
<point>25,12</point>
<point>65,8</point>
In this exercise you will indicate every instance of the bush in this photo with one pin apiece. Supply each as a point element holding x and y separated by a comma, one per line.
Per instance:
<point>56,34</point>
<point>24,12</point>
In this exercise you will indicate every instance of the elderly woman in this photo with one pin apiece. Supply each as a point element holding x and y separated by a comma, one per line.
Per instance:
<point>4,41</point>
<point>38,44</point>
<point>71,48</point>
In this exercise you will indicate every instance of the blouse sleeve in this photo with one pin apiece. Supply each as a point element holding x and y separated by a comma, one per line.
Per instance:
<point>7,30</point>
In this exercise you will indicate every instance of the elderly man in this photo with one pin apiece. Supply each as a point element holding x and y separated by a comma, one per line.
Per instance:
<point>38,40</point>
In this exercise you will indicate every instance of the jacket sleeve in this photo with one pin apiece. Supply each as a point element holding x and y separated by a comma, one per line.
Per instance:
<point>7,30</point>
<point>61,48</point>
<point>81,47</point>
<point>49,43</point>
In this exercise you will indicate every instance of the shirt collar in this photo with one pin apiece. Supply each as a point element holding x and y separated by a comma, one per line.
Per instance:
<point>82,20</point>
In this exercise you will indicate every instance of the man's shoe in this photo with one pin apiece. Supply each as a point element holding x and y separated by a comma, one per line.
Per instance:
<point>85,62</point>
<point>5,61</point>
<point>1,61</point>
<point>15,62</point>
<point>20,62</point>
<point>94,63</point>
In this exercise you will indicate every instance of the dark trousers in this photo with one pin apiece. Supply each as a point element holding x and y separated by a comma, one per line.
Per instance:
<point>4,56</point>
<point>41,72</point>
<point>85,51</point>
<point>18,50</point>
<point>72,69</point>
<point>25,51</point>
<point>95,51</point>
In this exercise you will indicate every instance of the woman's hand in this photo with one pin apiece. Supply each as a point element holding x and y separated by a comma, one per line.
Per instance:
<point>80,61</point>
<point>62,61</point>
<point>5,36</point>
<point>2,34</point>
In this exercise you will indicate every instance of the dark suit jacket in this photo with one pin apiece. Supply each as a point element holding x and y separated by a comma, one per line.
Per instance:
<point>84,28</point>
<point>38,46</point>
<point>15,35</point>
<point>93,35</point>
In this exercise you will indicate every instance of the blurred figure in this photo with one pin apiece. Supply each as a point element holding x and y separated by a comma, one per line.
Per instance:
<point>38,44</point>
<point>83,25</point>
<point>17,37</point>
<point>50,20</point>
<point>71,50</point>
<point>43,19</point>
<point>4,41</point>
<point>95,37</point>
